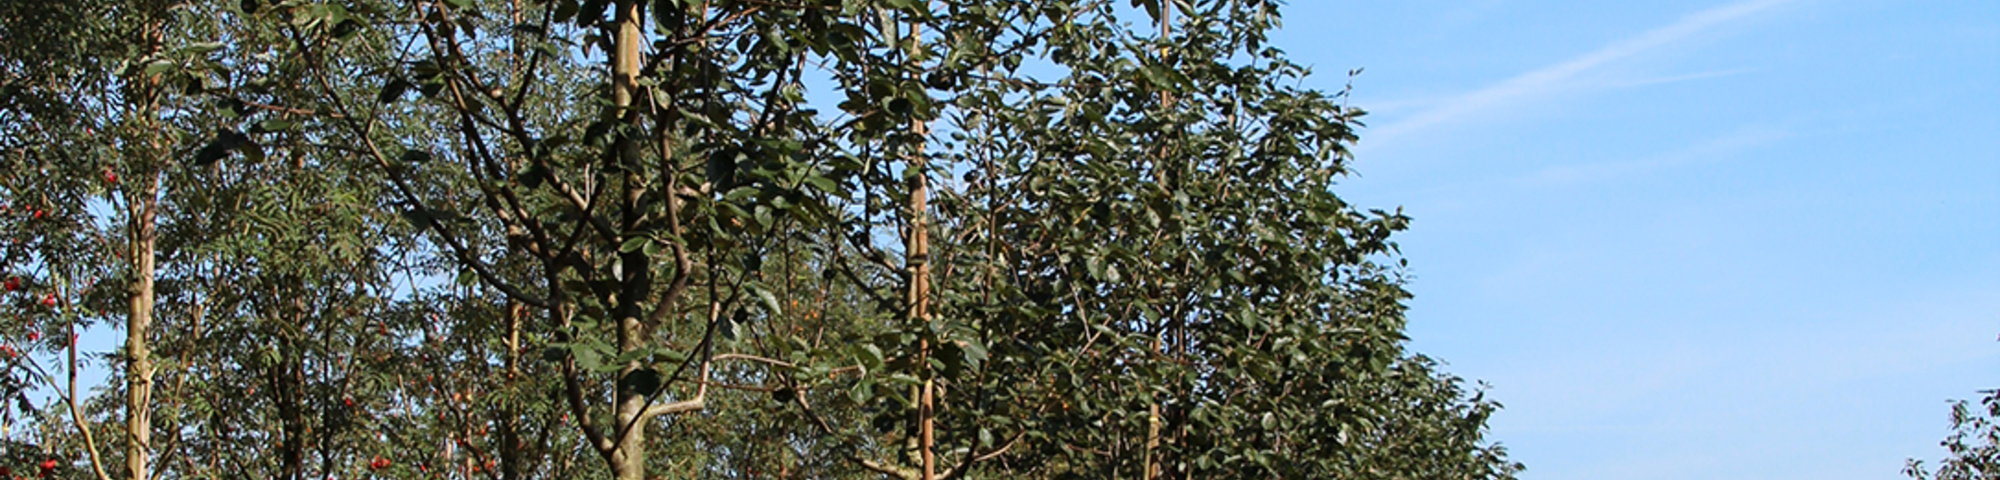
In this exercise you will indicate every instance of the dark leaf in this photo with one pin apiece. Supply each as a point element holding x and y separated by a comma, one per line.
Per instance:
<point>393,90</point>
<point>415,156</point>
<point>643,381</point>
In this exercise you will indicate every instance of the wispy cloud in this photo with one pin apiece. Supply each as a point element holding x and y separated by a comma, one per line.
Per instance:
<point>1744,138</point>
<point>1685,77</point>
<point>1556,77</point>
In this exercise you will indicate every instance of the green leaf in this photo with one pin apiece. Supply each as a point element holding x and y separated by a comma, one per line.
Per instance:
<point>975,353</point>
<point>209,154</point>
<point>555,353</point>
<point>636,243</point>
<point>534,176</point>
<point>630,356</point>
<point>276,125</point>
<point>565,10</point>
<point>770,301</point>
<point>669,355</point>
<point>725,327</point>
<point>204,48</point>
<point>869,355</point>
<point>587,358</point>
<point>862,392</point>
<point>393,90</point>
<point>252,152</point>
<point>160,67</point>
<point>644,381</point>
<point>1153,8</point>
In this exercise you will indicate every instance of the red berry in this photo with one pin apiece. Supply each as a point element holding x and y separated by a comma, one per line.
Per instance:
<point>110,176</point>
<point>13,283</point>
<point>347,401</point>
<point>38,214</point>
<point>49,301</point>
<point>34,335</point>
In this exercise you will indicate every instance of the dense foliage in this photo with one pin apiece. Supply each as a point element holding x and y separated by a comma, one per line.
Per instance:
<point>698,239</point>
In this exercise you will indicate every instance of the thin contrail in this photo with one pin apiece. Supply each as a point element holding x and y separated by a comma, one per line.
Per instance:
<point>1548,78</point>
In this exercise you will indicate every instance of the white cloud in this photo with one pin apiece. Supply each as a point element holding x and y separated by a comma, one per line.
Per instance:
<point>1734,142</point>
<point>1686,77</point>
<point>1557,77</point>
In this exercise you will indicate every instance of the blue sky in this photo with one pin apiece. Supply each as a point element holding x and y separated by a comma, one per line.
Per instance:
<point>1754,239</point>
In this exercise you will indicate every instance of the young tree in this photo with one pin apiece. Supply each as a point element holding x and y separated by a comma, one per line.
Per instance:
<point>88,85</point>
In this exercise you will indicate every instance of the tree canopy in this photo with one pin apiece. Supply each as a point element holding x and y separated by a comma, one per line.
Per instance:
<point>698,239</point>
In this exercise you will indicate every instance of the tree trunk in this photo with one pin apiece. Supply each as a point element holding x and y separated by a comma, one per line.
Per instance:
<point>141,207</point>
<point>509,416</point>
<point>628,456</point>
<point>917,259</point>
<point>1150,468</point>
<point>138,323</point>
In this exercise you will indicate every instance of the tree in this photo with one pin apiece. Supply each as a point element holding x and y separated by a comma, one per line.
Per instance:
<point>1973,447</point>
<point>90,91</point>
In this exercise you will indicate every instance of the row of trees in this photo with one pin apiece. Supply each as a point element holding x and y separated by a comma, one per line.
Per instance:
<point>697,239</point>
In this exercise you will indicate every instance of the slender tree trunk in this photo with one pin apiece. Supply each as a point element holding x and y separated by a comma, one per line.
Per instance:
<point>628,457</point>
<point>917,260</point>
<point>509,416</point>
<point>139,323</point>
<point>286,387</point>
<point>1151,460</point>
<point>141,206</point>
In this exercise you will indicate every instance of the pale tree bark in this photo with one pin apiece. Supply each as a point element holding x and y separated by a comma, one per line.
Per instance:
<point>917,245</point>
<point>628,454</point>
<point>141,207</point>
<point>138,325</point>
<point>1151,461</point>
